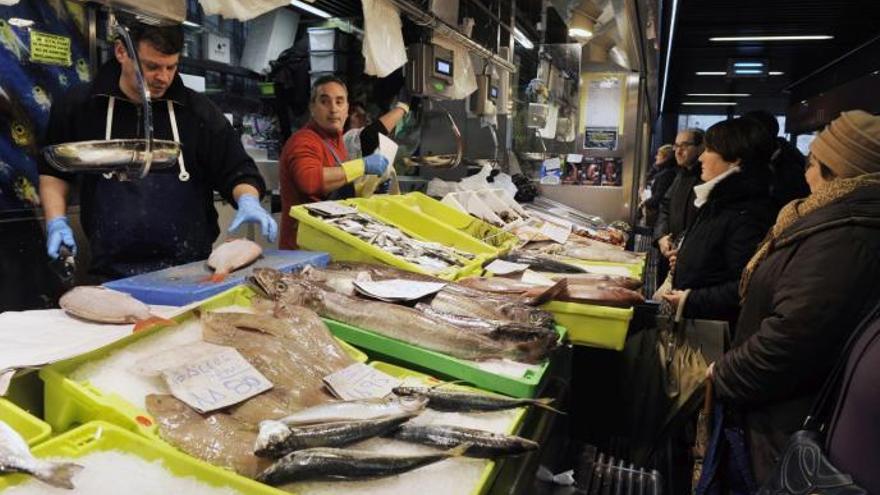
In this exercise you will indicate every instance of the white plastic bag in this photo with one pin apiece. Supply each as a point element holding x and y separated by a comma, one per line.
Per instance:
<point>383,48</point>
<point>242,10</point>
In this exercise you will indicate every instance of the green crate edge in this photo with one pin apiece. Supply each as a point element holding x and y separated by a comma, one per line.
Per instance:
<point>69,403</point>
<point>440,363</point>
<point>111,437</point>
<point>31,428</point>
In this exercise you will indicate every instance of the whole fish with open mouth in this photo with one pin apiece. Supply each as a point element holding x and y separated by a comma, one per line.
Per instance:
<point>276,439</point>
<point>232,255</point>
<point>341,464</point>
<point>103,305</point>
<point>397,322</point>
<point>353,410</point>
<point>16,457</point>
<point>542,263</point>
<point>458,401</point>
<point>483,444</point>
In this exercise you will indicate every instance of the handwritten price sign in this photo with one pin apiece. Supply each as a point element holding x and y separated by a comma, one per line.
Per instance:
<point>216,381</point>
<point>360,381</point>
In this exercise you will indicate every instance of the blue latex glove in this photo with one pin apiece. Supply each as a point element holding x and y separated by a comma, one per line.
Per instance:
<point>250,211</point>
<point>58,232</point>
<point>375,164</point>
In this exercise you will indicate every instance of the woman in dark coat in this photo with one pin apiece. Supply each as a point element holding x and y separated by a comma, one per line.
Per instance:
<point>813,279</point>
<point>734,213</point>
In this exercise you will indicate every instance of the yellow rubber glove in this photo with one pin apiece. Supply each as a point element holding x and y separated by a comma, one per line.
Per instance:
<point>353,169</point>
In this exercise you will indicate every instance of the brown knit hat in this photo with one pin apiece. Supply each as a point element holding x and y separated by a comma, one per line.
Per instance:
<point>850,145</point>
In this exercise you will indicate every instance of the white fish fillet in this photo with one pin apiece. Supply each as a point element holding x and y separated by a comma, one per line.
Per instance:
<point>232,255</point>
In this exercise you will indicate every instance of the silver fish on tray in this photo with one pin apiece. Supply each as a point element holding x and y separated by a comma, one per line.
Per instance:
<point>482,443</point>
<point>353,410</point>
<point>458,401</point>
<point>16,457</point>
<point>332,464</point>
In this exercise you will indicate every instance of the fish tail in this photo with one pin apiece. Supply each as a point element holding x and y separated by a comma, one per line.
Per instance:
<point>544,403</point>
<point>59,474</point>
<point>216,278</point>
<point>151,322</point>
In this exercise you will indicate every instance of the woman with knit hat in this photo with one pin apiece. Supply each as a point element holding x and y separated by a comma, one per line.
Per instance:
<point>812,280</point>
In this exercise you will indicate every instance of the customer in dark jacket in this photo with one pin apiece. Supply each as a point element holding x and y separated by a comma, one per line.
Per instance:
<point>662,174</point>
<point>809,284</point>
<point>677,210</point>
<point>734,213</point>
<point>786,163</point>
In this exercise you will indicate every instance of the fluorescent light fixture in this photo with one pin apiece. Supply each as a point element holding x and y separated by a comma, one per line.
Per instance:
<point>310,9</point>
<point>773,38</point>
<point>19,22</point>
<point>749,71</point>
<point>727,95</point>
<point>748,64</point>
<point>711,73</point>
<point>668,53</point>
<point>579,33</point>
<point>191,24</point>
<point>709,103</point>
<point>775,73</point>
<point>522,39</point>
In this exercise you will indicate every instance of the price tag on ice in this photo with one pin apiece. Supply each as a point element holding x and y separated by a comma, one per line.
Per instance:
<point>557,233</point>
<point>397,289</point>
<point>216,381</point>
<point>330,208</point>
<point>360,381</point>
<point>501,267</point>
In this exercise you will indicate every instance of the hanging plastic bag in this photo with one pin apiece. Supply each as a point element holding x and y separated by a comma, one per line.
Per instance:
<point>242,10</point>
<point>383,48</point>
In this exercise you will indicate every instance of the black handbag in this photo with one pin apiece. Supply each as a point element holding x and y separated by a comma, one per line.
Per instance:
<point>804,469</point>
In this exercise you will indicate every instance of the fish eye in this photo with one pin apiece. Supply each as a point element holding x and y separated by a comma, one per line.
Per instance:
<point>281,287</point>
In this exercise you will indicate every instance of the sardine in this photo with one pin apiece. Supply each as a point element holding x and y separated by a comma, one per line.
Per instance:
<point>232,255</point>
<point>542,263</point>
<point>103,305</point>
<point>482,443</point>
<point>342,464</point>
<point>455,401</point>
<point>352,410</point>
<point>274,442</point>
<point>16,457</point>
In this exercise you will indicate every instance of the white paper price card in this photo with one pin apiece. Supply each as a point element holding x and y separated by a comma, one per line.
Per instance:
<point>330,208</point>
<point>501,267</point>
<point>552,164</point>
<point>397,289</point>
<point>216,381</point>
<point>574,158</point>
<point>360,381</point>
<point>557,233</point>
<point>387,148</point>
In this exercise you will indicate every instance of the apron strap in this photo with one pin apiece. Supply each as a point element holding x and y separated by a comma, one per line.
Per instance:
<point>108,128</point>
<point>183,176</point>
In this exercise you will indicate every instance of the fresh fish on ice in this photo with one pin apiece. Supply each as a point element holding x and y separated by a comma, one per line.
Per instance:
<point>597,279</point>
<point>542,263</point>
<point>452,300</point>
<point>604,295</point>
<point>352,410</point>
<point>482,443</point>
<point>457,401</point>
<point>103,305</point>
<point>495,329</point>
<point>16,457</point>
<point>232,255</point>
<point>342,464</point>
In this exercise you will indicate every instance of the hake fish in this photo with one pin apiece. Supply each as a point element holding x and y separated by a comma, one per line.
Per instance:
<point>103,305</point>
<point>542,263</point>
<point>597,279</point>
<point>457,401</point>
<point>602,295</point>
<point>232,255</point>
<point>451,300</point>
<point>495,329</point>
<point>341,464</point>
<point>276,439</point>
<point>353,410</point>
<point>482,443</point>
<point>16,457</point>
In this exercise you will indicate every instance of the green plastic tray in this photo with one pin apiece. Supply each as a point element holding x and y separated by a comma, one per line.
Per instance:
<point>491,470</point>
<point>31,428</point>
<point>99,436</point>
<point>316,235</point>
<point>435,362</point>
<point>459,220</point>
<point>594,326</point>
<point>69,403</point>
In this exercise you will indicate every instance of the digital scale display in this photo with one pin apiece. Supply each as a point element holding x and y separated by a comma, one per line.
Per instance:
<point>443,67</point>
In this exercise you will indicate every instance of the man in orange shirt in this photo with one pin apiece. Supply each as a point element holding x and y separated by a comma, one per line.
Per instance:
<point>314,165</point>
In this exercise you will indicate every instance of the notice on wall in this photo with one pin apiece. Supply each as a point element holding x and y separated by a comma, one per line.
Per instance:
<point>50,48</point>
<point>600,138</point>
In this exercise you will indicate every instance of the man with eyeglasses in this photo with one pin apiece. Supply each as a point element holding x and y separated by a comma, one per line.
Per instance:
<point>677,209</point>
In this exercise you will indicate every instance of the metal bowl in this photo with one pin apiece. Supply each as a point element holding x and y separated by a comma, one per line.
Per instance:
<point>114,155</point>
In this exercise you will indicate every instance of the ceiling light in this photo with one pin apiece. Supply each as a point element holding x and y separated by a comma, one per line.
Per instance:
<point>668,53</point>
<point>522,39</point>
<point>191,24</point>
<point>310,9</point>
<point>751,72</point>
<point>709,103</point>
<point>580,26</point>
<point>775,73</point>
<point>579,33</point>
<point>773,38</point>
<point>728,95</point>
<point>708,73</point>
<point>19,22</point>
<point>748,64</point>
